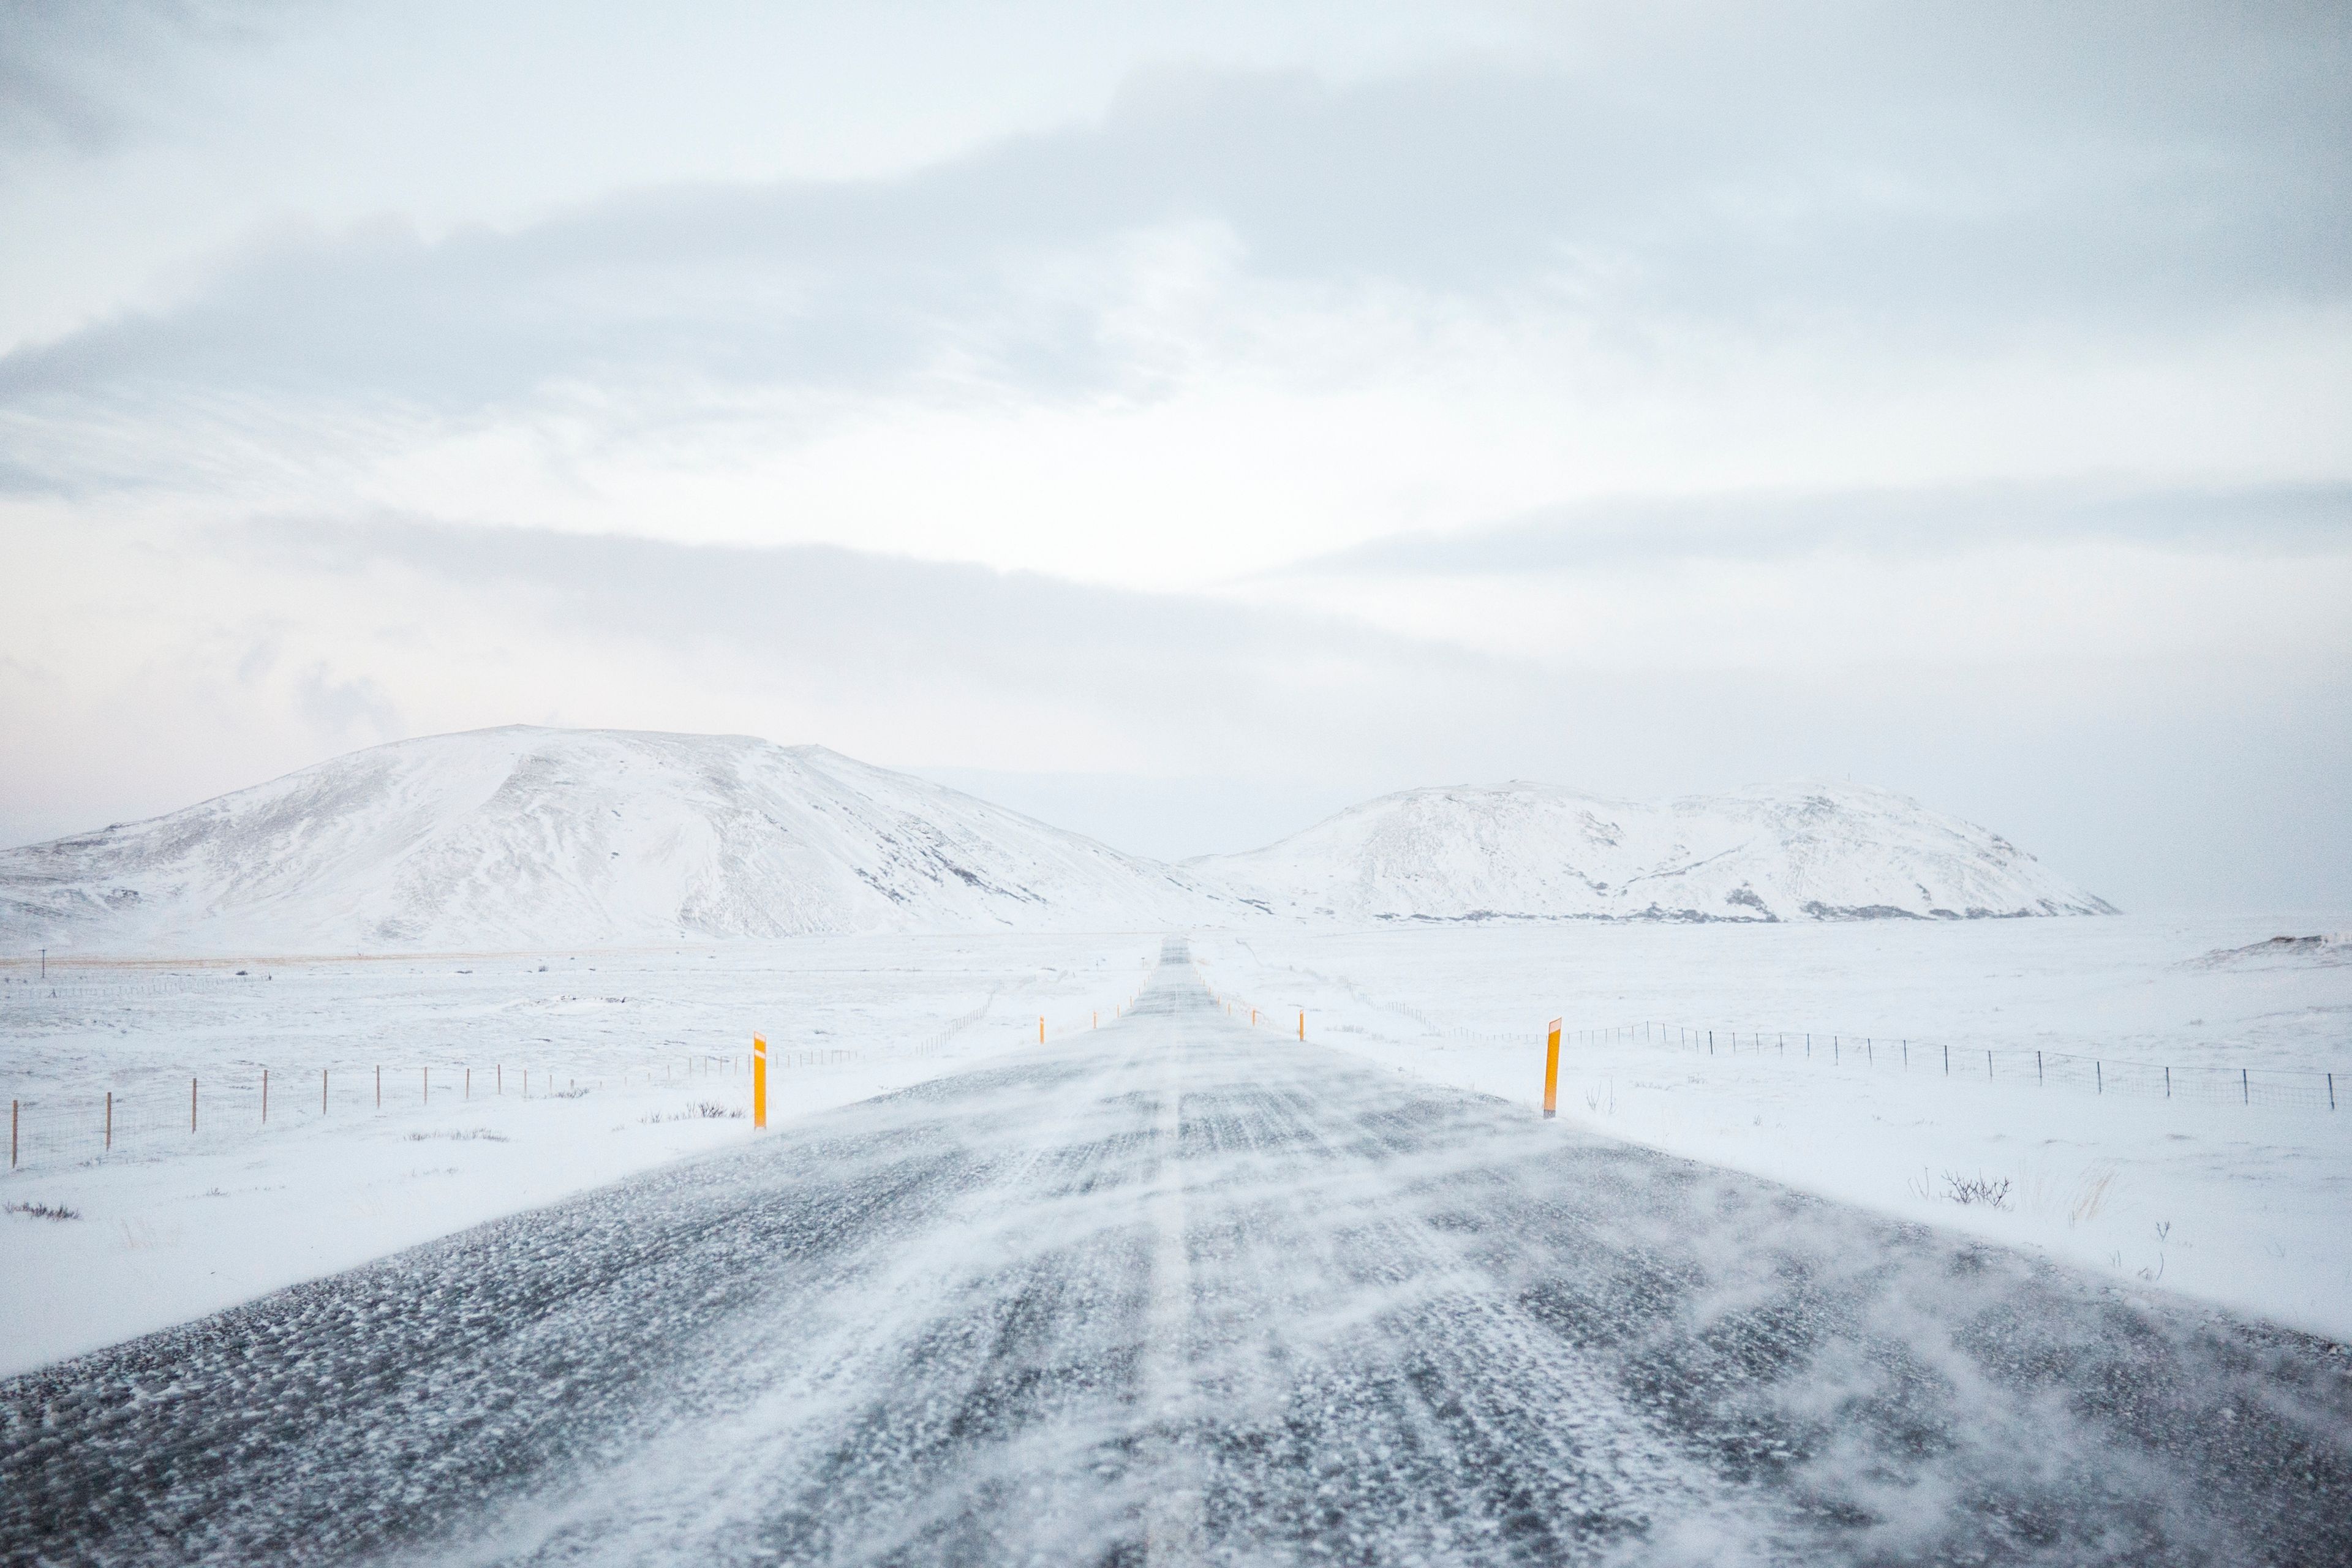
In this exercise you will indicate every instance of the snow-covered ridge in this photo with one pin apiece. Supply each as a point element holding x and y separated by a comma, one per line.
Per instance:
<point>529,839</point>
<point>1531,851</point>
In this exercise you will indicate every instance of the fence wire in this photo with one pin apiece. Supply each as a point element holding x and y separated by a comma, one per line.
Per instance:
<point>223,1108</point>
<point>2292,1088</point>
<point>210,1111</point>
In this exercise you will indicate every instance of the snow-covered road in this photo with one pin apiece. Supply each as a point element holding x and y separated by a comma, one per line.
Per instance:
<point>1178,1290</point>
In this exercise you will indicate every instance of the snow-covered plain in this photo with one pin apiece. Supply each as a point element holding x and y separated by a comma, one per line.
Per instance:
<point>172,1227</point>
<point>2240,1204</point>
<point>2243,1206</point>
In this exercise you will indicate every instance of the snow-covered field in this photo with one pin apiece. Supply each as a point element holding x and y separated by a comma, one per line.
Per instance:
<point>170,1226</point>
<point>2241,1204</point>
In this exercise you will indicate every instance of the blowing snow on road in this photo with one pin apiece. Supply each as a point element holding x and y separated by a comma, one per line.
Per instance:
<point>1181,1290</point>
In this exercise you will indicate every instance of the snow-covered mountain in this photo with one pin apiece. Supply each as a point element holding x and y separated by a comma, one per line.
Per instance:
<point>1815,851</point>
<point>527,838</point>
<point>531,838</point>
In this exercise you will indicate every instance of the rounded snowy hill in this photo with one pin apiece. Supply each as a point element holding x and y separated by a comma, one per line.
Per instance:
<point>1813,851</point>
<point>525,837</point>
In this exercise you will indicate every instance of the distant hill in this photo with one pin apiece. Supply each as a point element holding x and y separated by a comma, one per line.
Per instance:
<point>531,838</point>
<point>1529,851</point>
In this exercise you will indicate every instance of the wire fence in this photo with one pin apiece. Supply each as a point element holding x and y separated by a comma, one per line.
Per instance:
<point>16,990</point>
<point>2098,1075</point>
<point>224,1107</point>
<point>2210,1084</point>
<point>220,1107</point>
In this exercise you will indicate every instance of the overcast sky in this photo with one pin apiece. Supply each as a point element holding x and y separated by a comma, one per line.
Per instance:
<point>1182,422</point>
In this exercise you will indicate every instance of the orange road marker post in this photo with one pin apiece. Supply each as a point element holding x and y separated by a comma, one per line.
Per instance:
<point>1041,1028</point>
<point>1302,1023</point>
<point>1551,1072</point>
<point>758,1084</point>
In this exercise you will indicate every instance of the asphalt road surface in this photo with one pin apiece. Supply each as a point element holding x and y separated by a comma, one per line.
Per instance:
<point>1181,1291</point>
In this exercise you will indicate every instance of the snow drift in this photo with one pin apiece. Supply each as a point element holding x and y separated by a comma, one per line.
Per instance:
<point>1817,851</point>
<point>527,839</point>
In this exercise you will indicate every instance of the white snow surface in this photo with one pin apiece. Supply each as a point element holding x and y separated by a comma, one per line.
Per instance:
<point>638,1048</point>
<point>1779,852</point>
<point>2241,1204</point>
<point>533,839</point>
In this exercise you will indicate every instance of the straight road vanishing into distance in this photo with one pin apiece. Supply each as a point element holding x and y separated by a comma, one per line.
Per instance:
<point>1175,1291</point>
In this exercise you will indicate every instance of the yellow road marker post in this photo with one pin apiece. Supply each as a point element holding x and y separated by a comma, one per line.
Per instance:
<point>1041,1028</point>
<point>1551,1072</point>
<point>758,1084</point>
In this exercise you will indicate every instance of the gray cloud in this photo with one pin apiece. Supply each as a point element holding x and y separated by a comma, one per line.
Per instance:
<point>2315,518</point>
<point>1915,178</point>
<point>1182,666</point>
<point>339,709</point>
<point>80,75</point>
